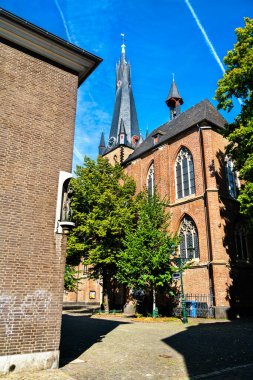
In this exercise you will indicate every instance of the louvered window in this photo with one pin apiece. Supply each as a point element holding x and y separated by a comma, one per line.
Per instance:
<point>151,180</point>
<point>185,184</point>
<point>189,246</point>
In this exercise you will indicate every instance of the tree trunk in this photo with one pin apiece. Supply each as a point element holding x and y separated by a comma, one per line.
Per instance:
<point>154,302</point>
<point>105,292</point>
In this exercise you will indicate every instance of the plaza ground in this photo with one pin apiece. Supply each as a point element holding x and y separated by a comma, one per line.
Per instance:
<point>116,348</point>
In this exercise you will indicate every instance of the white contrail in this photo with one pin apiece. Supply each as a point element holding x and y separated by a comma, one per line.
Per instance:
<point>209,43</point>
<point>78,155</point>
<point>63,20</point>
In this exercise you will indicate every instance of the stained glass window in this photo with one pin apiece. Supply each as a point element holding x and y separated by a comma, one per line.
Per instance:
<point>231,178</point>
<point>185,183</point>
<point>151,180</point>
<point>189,246</point>
<point>241,243</point>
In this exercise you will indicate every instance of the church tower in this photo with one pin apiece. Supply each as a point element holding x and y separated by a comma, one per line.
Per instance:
<point>124,133</point>
<point>174,100</point>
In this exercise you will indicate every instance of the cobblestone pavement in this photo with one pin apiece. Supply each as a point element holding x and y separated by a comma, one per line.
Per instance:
<point>122,349</point>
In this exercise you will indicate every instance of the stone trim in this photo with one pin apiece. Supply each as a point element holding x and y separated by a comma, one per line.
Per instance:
<point>32,361</point>
<point>188,199</point>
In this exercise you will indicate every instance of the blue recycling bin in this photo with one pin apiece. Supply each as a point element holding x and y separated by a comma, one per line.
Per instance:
<point>191,307</point>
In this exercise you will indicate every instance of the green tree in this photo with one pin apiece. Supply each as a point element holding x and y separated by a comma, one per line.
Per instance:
<point>237,82</point>
<point>102,205</point>
<point>70,278</point>
<point>145,260</point>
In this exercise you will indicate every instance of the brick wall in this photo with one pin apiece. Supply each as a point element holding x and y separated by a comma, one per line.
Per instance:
<point>36,139</point>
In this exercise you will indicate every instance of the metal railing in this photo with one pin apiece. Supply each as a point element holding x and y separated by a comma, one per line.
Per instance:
<point>197,306</point>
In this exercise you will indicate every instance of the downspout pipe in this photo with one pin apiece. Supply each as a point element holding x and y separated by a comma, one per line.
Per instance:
<point>207,216</point>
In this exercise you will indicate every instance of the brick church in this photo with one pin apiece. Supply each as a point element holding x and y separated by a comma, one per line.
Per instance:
<point>184,159</point>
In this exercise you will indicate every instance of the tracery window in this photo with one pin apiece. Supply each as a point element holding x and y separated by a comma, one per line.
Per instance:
<point>231,178</point>
<point>185,184</point>
<point>189,245</point>
<point>241,243</point>
<point>151,180</point>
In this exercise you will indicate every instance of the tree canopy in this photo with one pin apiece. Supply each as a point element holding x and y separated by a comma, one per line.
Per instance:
<point>237,82</point>
<point>144,261</point>
<point>102,206</point>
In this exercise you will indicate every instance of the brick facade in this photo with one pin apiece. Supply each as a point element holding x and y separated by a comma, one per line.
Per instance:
<point>36,137</point>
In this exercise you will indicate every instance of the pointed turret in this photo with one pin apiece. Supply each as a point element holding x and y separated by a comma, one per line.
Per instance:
<point>101,147</point>
<point>174,100</point>
<point>124,107</point>
<point>146,132</point>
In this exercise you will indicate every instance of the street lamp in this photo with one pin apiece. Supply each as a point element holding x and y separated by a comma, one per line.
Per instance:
<point>180,261</point>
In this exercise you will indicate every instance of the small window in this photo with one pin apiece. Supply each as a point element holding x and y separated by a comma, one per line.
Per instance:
<point>157,136</point>
<point>189,245</point>
<point>185,184</point>
<point>151,180</point>
<point>155,139</point>
<point>231,178</point>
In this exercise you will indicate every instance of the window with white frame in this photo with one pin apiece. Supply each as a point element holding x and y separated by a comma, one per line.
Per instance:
<point>189,245</point>
<point>151,180</point>
<point>231,178</point>
<point>241,243</point>
<point>185,184</point>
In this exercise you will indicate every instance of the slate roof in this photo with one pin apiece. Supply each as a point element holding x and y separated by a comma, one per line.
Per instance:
<point>203,111</point>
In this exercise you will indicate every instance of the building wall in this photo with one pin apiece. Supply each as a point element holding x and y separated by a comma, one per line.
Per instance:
<point>36,138</point>
<point>197,278</point>
<point>88,291</point>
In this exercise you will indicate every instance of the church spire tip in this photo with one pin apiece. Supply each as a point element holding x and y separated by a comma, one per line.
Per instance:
<point>123,47</point>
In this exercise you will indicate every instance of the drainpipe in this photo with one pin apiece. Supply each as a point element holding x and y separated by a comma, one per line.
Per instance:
<point>207,217</point>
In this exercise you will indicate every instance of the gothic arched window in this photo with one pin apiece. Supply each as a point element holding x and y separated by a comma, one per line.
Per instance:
<point>189,245</point>
<point>151,180</point>
<point>185,183</point>
<point>241,243</point>
<point>231,178</point>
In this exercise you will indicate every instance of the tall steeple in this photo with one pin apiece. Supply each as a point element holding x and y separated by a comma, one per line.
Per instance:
<point>124,115</point>
<point>174,100</point>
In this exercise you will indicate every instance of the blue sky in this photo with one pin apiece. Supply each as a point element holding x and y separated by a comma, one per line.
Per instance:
<point>162,37</point>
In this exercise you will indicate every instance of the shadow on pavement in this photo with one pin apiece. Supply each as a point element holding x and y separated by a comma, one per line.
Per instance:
<point>78,333</point>
<point>210,347</point>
